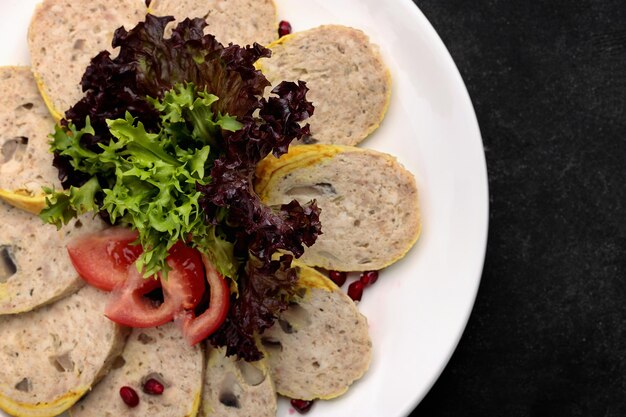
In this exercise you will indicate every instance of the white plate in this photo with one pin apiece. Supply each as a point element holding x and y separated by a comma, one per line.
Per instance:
<point>419,307</point>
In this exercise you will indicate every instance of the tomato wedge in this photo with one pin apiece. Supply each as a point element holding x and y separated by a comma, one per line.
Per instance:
<point>128,306</point>
<point>196,329</point>
<point>183,289</point>
<point>106,260</point>
<point>188,280</point>
<point>102,259</point>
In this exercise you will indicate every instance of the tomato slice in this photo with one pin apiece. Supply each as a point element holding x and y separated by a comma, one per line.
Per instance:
<point>188,281</point>
<point>106,260</point>
<point>196,329</point>
<point>128,306</point>
<point>183,289</point>
<point>102,259</point>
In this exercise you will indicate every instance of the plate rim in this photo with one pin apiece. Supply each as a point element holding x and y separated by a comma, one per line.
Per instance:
<point>443,51</point>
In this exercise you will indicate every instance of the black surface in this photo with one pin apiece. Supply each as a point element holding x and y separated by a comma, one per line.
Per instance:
<point>547,336</point>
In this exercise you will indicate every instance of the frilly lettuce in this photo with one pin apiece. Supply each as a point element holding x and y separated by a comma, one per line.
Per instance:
<point>166,140</point>
<point>148,180</point>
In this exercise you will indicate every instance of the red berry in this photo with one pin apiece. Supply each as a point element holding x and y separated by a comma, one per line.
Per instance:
<point>129,396</point>
<point>153,387</point>
<point>337,277</point>
<point>355,290</point>
<point>284,28</point>
<point>369,277</point>
<point>302,406</point>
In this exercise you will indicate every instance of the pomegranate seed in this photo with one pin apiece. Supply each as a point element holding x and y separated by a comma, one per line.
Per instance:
<point>368,278</point>
<point>284,28</point>
<point>337,277</point>
<point>129,396</point>
<point>302,406</point>
<point>153,387</point>
<point>355,290</point>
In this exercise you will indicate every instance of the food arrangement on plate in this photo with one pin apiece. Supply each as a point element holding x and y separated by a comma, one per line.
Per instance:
<point>197,185</point>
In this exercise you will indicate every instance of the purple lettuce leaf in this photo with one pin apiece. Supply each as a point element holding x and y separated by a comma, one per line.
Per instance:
<point>266,286</point>
<point>148,65</point>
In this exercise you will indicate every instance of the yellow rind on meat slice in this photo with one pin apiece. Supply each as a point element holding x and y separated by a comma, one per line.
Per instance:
<point>43,409</point>
<point>56,114</point>
<point>195,407</point>
<point>24,201</point>
<point>298,157</point>
<point>309,278</point>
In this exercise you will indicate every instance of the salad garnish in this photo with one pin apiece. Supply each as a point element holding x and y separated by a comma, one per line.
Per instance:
<point>166,141</point>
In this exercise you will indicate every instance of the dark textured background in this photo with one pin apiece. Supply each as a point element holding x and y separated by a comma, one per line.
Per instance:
<point>547,336</point>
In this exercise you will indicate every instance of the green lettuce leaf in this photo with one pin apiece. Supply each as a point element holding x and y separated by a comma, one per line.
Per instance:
<point>148,180</point>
